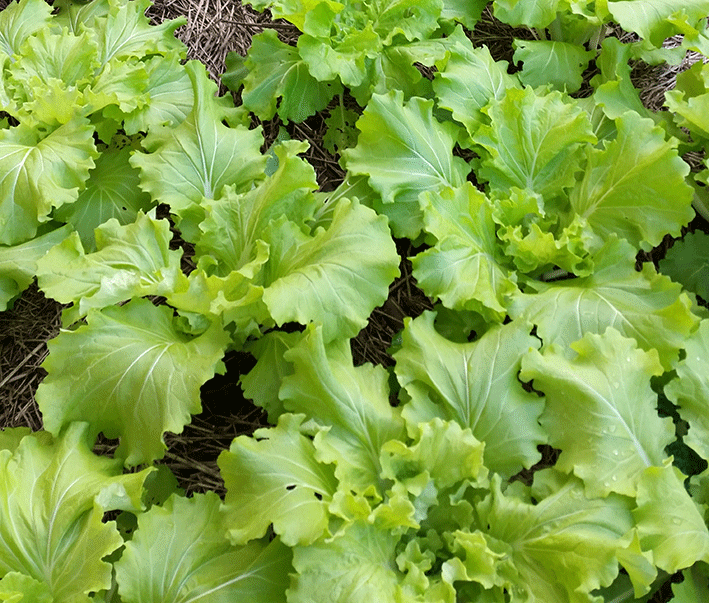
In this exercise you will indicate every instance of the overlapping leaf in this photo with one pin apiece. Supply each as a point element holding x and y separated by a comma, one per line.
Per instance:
<point>54,494</point>
<point>476,385</point>
<point>405,151</point>
<point>600,411</point>
<point>179,553</point>
<point>274,478</point>
<point>464,269</point>
<point>129,373</point>
<point>644,305</point>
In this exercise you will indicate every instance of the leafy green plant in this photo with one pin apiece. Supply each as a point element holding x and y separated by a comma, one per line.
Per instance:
<point>526,207</point>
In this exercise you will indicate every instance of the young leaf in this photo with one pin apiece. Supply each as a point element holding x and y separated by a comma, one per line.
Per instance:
<point>669,522</point>
<point>474,384</point>
<point>18,264</point>
<point>197,159</point>
<point>348,407</point>
<point>130,261</point>
<point>464,268</point>
<point>559,549</point>
<point>131,374</point>
<point>19,21</point>
<point>179,553</point>
<point>559,64</point>
<point>111,191</point>
<point>535,141</point>
<point>468,79</point>
<point>40,172</point>
<point>335,277</point>
<point>600,411</point>
<point>279,81</point>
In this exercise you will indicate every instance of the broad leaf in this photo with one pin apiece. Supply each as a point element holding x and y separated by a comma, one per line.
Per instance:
<point>198,158</point>
<point>405,151</point>
<point>347,406</point>
<point>468,79</point>
<point>534,142</point>
<point>669,522</point>
<point>274,478</point>
<point>19,21</point>
<point>335,277</point>
<point>54,494</point>
<point>643,305</point>
<point>635,186</point>
<point>687,262</point>
<point>559,64</point>
<point>131,261</point>
<point>474,384</point>
<point>18,264</point>
<point>38,173</point>
<point>559,549</point>
<point>111,191</point>
<point>355,567</point>
<point>131,374</point>
<point>600,411</point>
<point>179,554</point>
<point>279,81</point>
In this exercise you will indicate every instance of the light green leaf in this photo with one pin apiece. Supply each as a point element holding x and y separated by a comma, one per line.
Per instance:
<point>54,494</point>
<point>40,172</point>
<point>468,79</point>
<point>635,186</point>
<point>179,554</point>
<point>279,81</point>
<point>466,12</point>
<point>405,151</point>
<point>535,142</point>
<point>528,13</point>
<point>650,18</point>
<point>171,96</point>
<point>131,374</point>
<point>689,100</point>
<point>273,478</point>
<point>129,33</point>
<point>690,390</point>
<point>447,453</point>
<point>16,587</point>
<point>112,191</point>
<point>464,268</point>
<point>669,522</point>
<point>236,222</point>
<point>559,549</point>
<point>474,384</point>
<point>643,305</point>
<point>347,406</point>
<point>335,277</point>
<point>600,410</point>
<point>262,383</point>
<point>356,567</point>
<point>687,262</point>
<point>18,264</point>
<point>615,91</point>
<point>21,20</point>
<point>559,64</point>
<point>199,157</point>
<point>130,261</point>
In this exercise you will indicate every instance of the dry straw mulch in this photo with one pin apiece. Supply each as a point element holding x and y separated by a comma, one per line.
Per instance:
<point>215,28</point>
